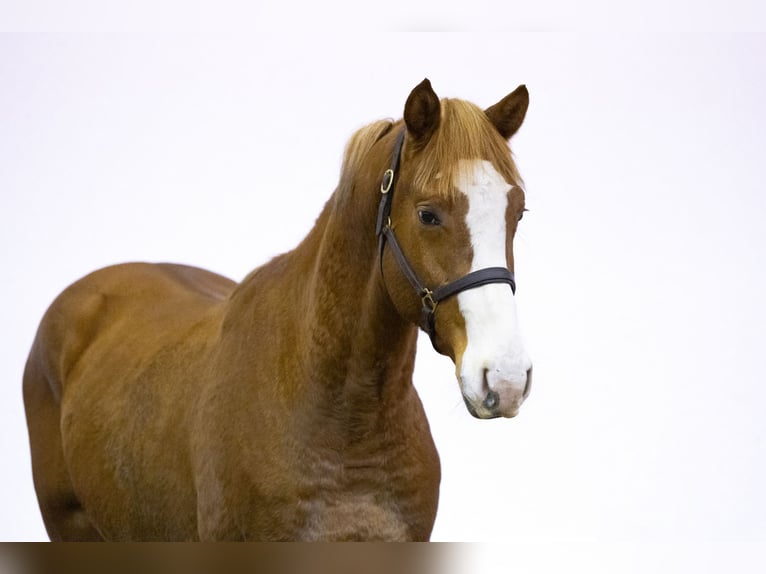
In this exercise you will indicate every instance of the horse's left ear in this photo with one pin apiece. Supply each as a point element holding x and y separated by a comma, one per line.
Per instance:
<point>422,112</point>
<point>507,115</point>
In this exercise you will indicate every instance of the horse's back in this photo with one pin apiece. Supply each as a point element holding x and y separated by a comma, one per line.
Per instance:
<point>116,338</point>
<point>134,298</point>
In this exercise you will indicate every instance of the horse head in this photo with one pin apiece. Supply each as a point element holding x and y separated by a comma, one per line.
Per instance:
<point>448,232</point>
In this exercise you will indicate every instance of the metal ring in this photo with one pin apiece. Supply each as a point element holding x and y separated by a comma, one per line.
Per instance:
<point>388,181</point>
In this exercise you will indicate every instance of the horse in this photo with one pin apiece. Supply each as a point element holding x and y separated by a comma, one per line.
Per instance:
<point>166,402</point>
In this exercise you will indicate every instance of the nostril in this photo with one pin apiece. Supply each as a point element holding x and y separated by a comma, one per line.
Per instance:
<point>491,401</point>
<point>528,385</point>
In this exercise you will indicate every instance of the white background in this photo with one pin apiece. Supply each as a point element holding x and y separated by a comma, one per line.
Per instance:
<point>640,265</point>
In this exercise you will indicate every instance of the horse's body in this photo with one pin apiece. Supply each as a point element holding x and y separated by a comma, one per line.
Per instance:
<point>167,402</point>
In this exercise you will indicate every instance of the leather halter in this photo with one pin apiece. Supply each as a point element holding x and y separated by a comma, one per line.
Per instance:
<point>430,298</point>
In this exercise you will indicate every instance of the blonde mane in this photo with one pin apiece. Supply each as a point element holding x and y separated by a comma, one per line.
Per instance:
<point>357,148</point>
<point>465,132</point>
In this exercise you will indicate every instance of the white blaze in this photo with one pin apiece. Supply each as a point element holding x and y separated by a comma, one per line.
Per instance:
<point>494,344</point>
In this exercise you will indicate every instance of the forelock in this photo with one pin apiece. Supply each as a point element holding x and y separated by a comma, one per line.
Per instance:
<point>464,133</point>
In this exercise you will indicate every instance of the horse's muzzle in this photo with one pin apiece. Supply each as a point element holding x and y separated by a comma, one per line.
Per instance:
<point>502,398</point>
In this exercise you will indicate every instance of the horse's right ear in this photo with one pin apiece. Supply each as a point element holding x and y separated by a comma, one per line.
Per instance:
<point>422,112</point>
<point>508,114</point>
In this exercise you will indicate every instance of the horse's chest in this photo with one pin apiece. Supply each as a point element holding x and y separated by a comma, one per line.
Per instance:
<point>355,516</point>
<point>382,488</point>
<point>375,502</point>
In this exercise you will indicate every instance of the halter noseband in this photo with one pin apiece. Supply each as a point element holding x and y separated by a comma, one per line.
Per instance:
<point>430,298</point>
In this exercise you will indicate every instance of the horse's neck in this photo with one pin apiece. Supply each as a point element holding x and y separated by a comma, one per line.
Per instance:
<point>339,339</point>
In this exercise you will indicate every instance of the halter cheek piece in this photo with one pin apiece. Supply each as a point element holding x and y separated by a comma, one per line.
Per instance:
<point>430,298</point>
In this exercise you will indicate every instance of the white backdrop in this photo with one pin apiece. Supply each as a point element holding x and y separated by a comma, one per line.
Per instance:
<point>640,264</point>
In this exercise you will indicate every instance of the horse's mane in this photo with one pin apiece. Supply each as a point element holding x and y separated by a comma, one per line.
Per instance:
<point>358,146</point>
<point>465,132</point>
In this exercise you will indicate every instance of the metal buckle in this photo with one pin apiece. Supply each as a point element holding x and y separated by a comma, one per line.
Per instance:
<point>427,299</point>
<point>388,181</point>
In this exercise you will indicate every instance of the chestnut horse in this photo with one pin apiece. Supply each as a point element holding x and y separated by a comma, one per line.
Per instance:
<point>165,402</point>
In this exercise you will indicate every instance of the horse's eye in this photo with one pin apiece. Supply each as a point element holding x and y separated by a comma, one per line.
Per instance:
<point>428,217</point>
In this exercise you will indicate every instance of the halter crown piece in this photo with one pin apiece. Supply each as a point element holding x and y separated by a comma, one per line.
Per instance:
<point>430,298</point>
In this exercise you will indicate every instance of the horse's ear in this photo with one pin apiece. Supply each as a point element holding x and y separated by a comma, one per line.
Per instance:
<point>422,112</point>
<point>508,114</point>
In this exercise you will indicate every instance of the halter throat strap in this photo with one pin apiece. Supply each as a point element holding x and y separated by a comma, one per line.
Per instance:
<point>430,298</point>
